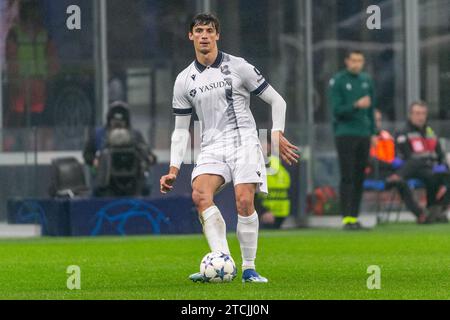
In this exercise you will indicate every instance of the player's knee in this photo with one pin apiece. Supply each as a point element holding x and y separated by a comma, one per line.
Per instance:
<point>245,205</point>
<point>201,199</point>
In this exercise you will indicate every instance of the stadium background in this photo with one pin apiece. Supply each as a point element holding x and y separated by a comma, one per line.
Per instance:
<point>297,45</point>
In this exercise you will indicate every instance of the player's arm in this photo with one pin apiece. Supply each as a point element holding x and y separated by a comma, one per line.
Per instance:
<point>179,142</point>
<point>182,109</point>
<point>255,82</point>
<point>287,151</point>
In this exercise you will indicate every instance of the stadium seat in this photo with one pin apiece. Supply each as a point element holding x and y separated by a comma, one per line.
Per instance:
<point>379,186</point>
<point>415,184</point>
<point>67,178</point>
<point>375,185</point>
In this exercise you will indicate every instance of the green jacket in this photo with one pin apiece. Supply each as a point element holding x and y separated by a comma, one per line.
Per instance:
<point>344,90</point>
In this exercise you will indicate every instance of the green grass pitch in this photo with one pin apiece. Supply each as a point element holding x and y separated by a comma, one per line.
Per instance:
<point>300,264</point>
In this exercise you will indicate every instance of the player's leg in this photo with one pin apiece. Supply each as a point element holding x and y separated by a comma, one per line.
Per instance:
<point>249,176</point>
<point>204,186</point>
<point>203,189</point>
<point>247,230</point>
<point>208,177</point>
<point>248,224</point>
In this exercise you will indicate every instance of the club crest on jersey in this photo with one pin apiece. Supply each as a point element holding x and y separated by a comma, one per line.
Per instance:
<point>225,70</point>
<point>193,93</point>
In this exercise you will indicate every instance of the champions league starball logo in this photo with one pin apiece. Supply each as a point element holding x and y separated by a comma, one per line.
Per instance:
<point>119,213</point>
<point>32,212</point>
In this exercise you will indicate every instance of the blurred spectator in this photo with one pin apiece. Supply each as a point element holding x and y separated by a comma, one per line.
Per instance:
<point>382,166</point>
<point>118,131</point>
<point>276,205</point>
<point>421,157</point>
<point>9,11</point>
<point>31,62</point>
<point>351,97</point>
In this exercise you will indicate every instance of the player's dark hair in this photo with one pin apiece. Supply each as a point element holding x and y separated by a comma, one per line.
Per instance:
<point>204,19</point>
<point>353,51</point>
<point>420,103</point>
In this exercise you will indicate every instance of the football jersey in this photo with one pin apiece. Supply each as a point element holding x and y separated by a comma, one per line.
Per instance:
<point>220,95</point>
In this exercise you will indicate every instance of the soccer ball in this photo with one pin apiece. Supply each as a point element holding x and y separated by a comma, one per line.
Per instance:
<point>218,267</point>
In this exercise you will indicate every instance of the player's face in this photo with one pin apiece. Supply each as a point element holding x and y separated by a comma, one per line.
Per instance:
<point>355,63</point>
<point>418,116</point>
<point>205,38</point>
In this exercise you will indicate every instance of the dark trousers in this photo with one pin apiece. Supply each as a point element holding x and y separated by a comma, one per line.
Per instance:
<point>353,155</point>
<point>417,169</point>
<point>382,171</point>
<point>407,196</point>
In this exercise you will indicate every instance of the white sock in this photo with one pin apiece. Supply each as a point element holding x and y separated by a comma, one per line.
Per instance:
<point>247,233</point>
<point>215,230</point>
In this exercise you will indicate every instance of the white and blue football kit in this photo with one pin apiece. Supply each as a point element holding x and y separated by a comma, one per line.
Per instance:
<point>220,96</point>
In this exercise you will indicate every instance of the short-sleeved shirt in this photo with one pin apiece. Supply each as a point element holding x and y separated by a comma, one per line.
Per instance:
<point>220,95</point>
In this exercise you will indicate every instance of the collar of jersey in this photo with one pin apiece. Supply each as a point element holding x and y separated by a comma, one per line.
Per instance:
<point>200,67</point>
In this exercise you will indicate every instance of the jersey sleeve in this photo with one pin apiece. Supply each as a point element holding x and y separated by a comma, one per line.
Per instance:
<point>180,104</point>
<point>252,79</point>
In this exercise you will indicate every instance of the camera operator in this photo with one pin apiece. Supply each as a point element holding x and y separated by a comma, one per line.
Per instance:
<point>116,135</point>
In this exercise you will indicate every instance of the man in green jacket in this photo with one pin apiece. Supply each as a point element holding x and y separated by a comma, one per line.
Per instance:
<point>352,101</point>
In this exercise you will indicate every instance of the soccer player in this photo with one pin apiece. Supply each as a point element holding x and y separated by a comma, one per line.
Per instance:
<point>218,86</point>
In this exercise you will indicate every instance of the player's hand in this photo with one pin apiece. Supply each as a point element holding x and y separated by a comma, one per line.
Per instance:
<point>287,151</point>
<point>363,103</point>
<point>166,183</point>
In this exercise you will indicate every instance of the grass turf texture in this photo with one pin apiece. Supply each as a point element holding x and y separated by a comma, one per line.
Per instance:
<point>301,264</point>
